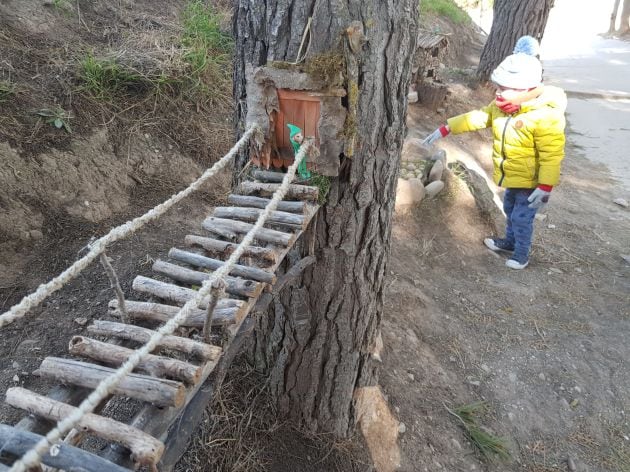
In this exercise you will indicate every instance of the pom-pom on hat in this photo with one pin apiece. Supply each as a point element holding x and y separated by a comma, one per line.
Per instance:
<point>527,45</point>
<point>522,70</point>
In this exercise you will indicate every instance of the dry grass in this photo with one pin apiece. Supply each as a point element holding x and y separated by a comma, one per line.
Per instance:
<point>241,432</point>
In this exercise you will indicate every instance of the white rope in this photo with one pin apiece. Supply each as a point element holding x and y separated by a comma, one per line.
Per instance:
<point>98,247</point>
<point>32,458</point>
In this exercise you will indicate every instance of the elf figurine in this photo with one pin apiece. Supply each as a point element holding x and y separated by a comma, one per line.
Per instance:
<point>297,138</point>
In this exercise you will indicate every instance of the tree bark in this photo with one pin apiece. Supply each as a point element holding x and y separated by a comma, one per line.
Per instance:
<point>613,18</point>
<point>316,338</point>
<point>624,26</point>
<point>511,21</point>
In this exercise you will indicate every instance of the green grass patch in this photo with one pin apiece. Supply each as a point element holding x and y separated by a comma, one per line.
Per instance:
<point>445,8</point>
<point>208,50</point>
<point>105,78</point>
<point>490,446</point>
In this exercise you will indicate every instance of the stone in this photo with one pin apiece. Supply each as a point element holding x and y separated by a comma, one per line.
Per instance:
<point>541,376</point>
<point>411,377</point>
<point>409,192</point>
<point>440,155</point>
<point>485,368</point>
<point>413,150</point>
<point>412,97</point>
<point>621,202</point>
<point>434,188</point>
<point>410,167</point>
<point>81,321</point>
<point>436,171</point>
<point>36,234</point>
<point>512,377</point>
<point>626,257</point>
<point>540,216</point>
<point>402,428</point>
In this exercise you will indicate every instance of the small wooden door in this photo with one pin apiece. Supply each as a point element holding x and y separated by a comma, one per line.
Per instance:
<point>302,110</point>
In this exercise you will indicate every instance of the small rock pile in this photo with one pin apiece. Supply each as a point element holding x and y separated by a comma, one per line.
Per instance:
<point>422,173</point>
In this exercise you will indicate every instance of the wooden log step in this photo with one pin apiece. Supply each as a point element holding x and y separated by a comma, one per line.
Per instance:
<point>269,176</point>
<point>198,260</point>
<point>142,335</point>
<point>225,248</point>
<point>145,450</point>
<point>64,457</point>
<point>219,225</point>
<point>162,313</point>
<point>160,392</point>
<point>176,294</point>
<point>158,366</point>
<point>258,202</point>
<point>242,287</point>
<point>252,214</point>
<point>298,192</point>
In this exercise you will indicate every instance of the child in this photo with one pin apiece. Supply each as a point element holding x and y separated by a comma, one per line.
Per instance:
<point>527,121</point>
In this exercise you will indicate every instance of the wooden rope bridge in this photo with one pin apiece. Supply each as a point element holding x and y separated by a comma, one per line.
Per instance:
<point>173,385</point>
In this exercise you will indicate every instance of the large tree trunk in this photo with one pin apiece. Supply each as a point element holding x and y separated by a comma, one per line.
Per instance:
<point>315,339</point>
<point>512,19</point>
<point>613,18</point>
<point>624,26</point>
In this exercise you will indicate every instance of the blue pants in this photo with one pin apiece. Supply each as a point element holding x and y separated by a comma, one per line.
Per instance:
<point>520,222</point>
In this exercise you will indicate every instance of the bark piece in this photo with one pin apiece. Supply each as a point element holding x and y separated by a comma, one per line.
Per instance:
<point>235,286</point>
<point>213,224</point>
<point>142,335</point>
<point>299,192</point>
<point>198,260</point>
<point>145,450</point>
<point>149,389</point>
<point>157,366</point>
<point>162,313</point>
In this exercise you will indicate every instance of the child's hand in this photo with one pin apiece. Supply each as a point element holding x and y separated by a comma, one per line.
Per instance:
<point>441,132</point>
<point>539,197</point>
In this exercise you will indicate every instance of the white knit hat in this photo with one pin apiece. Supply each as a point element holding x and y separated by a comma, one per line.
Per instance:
<point>521,70</point>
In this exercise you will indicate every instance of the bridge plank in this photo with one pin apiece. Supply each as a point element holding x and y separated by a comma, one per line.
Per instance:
<point>235,286</point>
<point>158,366</point>
<point>204,351</point>
<point>162,313</point>
<point>198,260</point>
<point>145,450</point>
<point>161,392</point>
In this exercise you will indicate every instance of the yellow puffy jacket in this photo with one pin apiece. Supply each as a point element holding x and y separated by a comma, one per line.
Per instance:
<point>528,145</point>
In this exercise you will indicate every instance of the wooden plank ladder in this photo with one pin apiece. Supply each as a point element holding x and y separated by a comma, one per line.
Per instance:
<point>167,383</point>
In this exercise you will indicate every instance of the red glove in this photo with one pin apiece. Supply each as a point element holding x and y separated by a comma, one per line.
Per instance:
<point>441,132</point>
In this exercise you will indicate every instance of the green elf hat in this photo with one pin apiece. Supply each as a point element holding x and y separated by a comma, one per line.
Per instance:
<point>293,130</point>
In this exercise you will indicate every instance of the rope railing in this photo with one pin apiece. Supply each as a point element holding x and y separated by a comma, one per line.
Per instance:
<point>33,457</point>
<point>98,247</point>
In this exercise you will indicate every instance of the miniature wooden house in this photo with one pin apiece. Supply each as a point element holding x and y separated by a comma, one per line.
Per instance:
<point>430,52</point>
<point>279,96</point>
<point>426,79</point>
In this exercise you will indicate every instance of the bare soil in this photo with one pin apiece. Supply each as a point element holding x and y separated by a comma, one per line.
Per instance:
<point>546,347</point>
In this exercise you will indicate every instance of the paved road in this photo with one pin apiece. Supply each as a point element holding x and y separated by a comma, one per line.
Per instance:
<point>595,72</point>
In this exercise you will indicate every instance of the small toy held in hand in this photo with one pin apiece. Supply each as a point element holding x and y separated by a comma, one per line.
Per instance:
<point>297,138</point>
